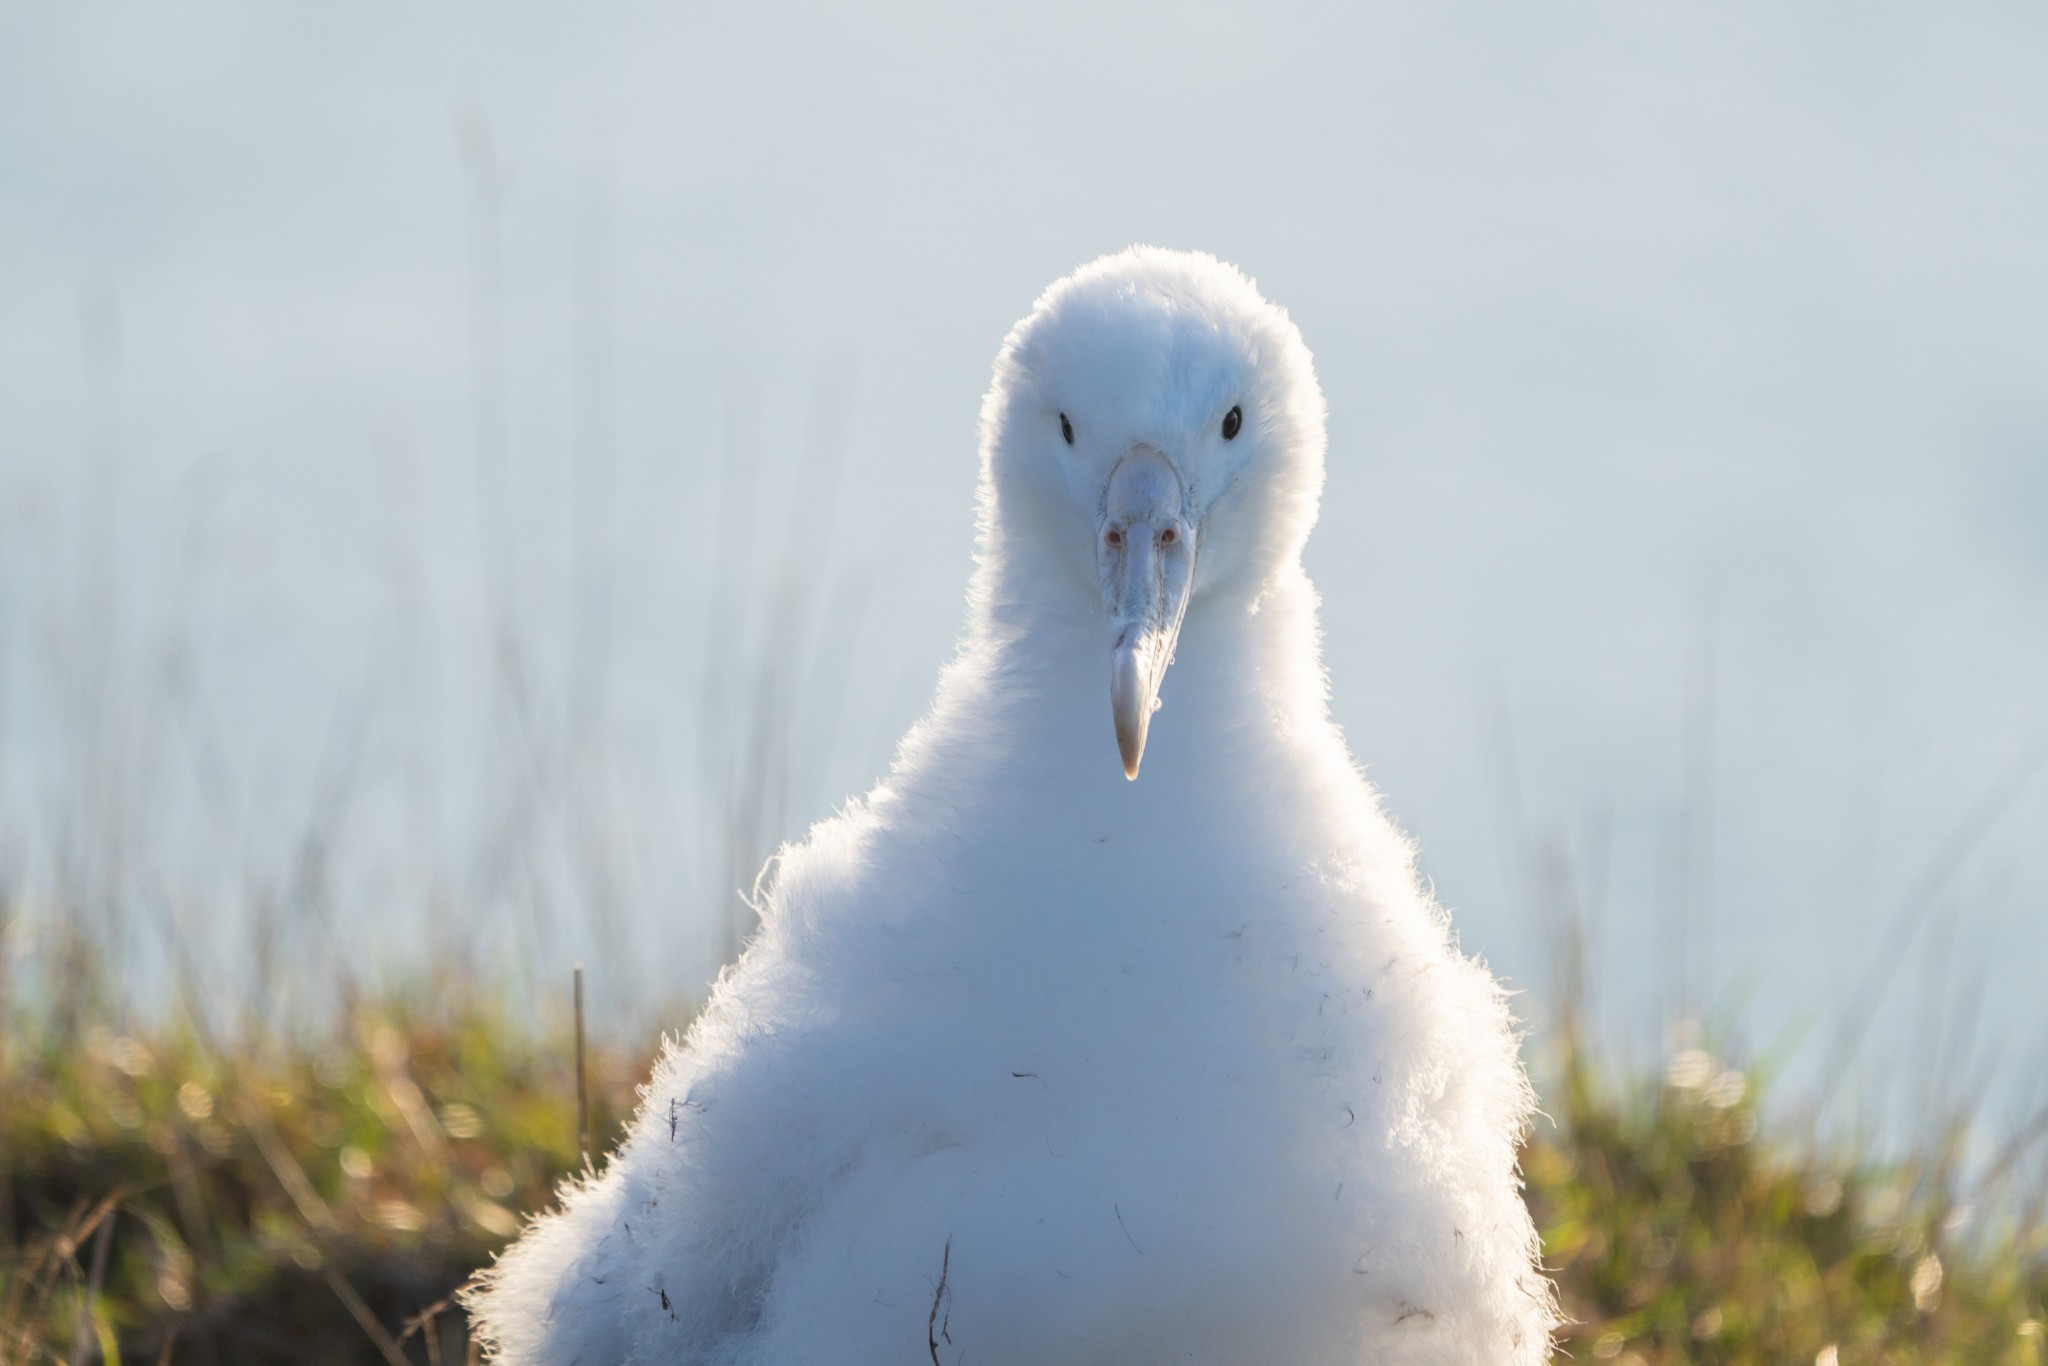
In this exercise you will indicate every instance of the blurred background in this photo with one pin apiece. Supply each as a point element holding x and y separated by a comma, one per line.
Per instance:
<point>474,479</point>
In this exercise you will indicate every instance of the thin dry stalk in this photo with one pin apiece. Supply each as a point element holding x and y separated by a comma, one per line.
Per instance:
<point>86,1332</point>
<point>290,1175</point>
<point>1912,913</point>
<point>582,1079</point>
<point>424,1323</point>
<point>375,1331</point>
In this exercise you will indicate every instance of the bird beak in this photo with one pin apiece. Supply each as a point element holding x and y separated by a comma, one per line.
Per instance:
<point>1145,551</point>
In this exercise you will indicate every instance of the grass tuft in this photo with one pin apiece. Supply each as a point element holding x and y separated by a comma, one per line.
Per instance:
<point>163,1198</point>
<point>1681,1231</point>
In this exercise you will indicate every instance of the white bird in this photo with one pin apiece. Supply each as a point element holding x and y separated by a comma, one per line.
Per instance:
<point>1032,1064</point>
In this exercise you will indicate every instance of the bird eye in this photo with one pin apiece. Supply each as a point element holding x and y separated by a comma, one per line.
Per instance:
<point>1066,429</point>
<point>1232,420</point>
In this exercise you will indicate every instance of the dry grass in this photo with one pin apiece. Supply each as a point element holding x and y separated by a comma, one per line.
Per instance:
<point>168,1198</point>
<point>164,1198</point>
<point>1681,1230</point>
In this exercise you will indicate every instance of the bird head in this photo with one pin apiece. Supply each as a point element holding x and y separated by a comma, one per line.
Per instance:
<point>1154,438</point>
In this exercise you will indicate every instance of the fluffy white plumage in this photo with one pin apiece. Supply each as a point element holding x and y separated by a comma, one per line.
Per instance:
<point>1031,1064</point>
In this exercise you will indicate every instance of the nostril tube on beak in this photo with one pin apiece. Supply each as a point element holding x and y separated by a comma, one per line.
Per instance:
<point>1147,563</point>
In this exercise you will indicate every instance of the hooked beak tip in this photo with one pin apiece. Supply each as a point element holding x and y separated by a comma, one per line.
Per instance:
<point>1131,701</point>
<point>1130,705</point>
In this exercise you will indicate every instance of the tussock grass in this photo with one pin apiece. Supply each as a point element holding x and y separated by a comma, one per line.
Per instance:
<point>165,1197</point>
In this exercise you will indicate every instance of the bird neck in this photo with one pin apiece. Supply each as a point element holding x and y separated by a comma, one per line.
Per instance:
<point>1031,686</point>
